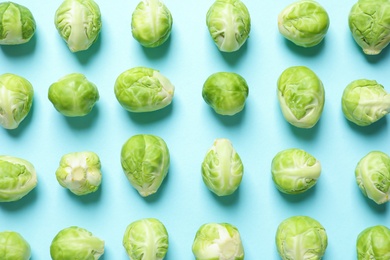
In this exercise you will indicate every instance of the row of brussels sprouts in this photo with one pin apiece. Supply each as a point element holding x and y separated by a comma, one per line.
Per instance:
<point>304,23</point>
<point>300,92</point>
<point>297,237</point>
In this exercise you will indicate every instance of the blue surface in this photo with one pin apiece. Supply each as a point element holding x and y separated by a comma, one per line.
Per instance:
<point>189,127</point>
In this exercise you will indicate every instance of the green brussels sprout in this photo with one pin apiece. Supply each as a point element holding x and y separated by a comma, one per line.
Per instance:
<point>219,241</point>
<point>373,243</point>
<point>365,102</point>
<point>373,176</point>
<point>143,89</point>
<point>301,96</point>
<point>73,95</point>
<point>79,23</point>
<point>145,162</point>
<point>13,246</point>
<point>295,171</point>
<point>225,92</point>
<point>301,238</point>
<point>151,23</point>
<point>76,243</point>
<point>16,97</point>
<point>305,23</point>
<point>370,25</point>
<point>229,24</point>
<point>80,172</point>
<point>146,239</point>
<point>17,24</point>
<point>222,168</point>
<point>17,178</point>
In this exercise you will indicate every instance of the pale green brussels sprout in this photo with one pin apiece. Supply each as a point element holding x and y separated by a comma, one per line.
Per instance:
<point>17,24</point>
<point>80,172</point>
<point>73,95</point>
<point>76,243</point>
<point>222,168</point>
<point>373,243</point>
<point>301,238</point>
<point>225,92</point>
<point>301,96</point>
<point>373,176</point>
<point>16,98</point>
<point>145,162</point>
<point>17,178</point>
<point>365,102</point>
<point>295,171</point>
<point>369,22</point>
<point>229,24</point>
<point>305,23</point>
<point>143,89</point>
<point>79,23</point>
<point>146,239</point>
<point>13,246</point>
<point>219,241</point>
<point>151,23</point>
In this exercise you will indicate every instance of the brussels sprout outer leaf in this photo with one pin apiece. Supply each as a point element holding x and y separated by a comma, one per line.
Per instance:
<point>13,246</point>
<point>373,243</point>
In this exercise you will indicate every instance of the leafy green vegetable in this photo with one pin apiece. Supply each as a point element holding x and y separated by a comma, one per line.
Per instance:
<point>222,168</point>
<point>304,22</point>
<point>143,89</point>
<point>370,25</point>
<point>219,241</point>
<point>373,176</point>
<point>145,162</point>
<point>365,102</point>
<point>80,172</point>
<point>76,243</point>
<point>373,243</point>
<point>17,178</point>
<point>13,246</point>
<point>79,23</point>
<point>229,24</point>
<point>17,24</point>
<point>73,95</point>
<point>151,23</point>
<point>146,239</point>
<point>295,171</point>
<point>225,92</point>
<point>16,98</point>
<point>301,96</point>
<point>301,238</point>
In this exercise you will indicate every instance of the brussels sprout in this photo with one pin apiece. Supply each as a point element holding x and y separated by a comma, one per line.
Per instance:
<point>13,246</point>
<point>73,95</point>
<point>295,171</point>
<point>151,23</point>
<point>80,172</point>
<point>301,96</point>
<point>305,23</point>
<point>17,178</point>
<point>373,176</point>
<point>16,97</point>
<point>229,24</point>
<point>76,243</point>
<point>301,238</point>
<point>79,23</point>
<point>370,25</point>
<point>143,89</point>
<point>219,241</point>
<point>146,239</point>
<point>222,168</point>
<point>17,24</point>
<point>365,101</point>
<point>145,162</point>
<point>373,243</point>
<point>225,92</point>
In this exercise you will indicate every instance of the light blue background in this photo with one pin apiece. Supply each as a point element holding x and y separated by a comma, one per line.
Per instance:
<point>189,127</point>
